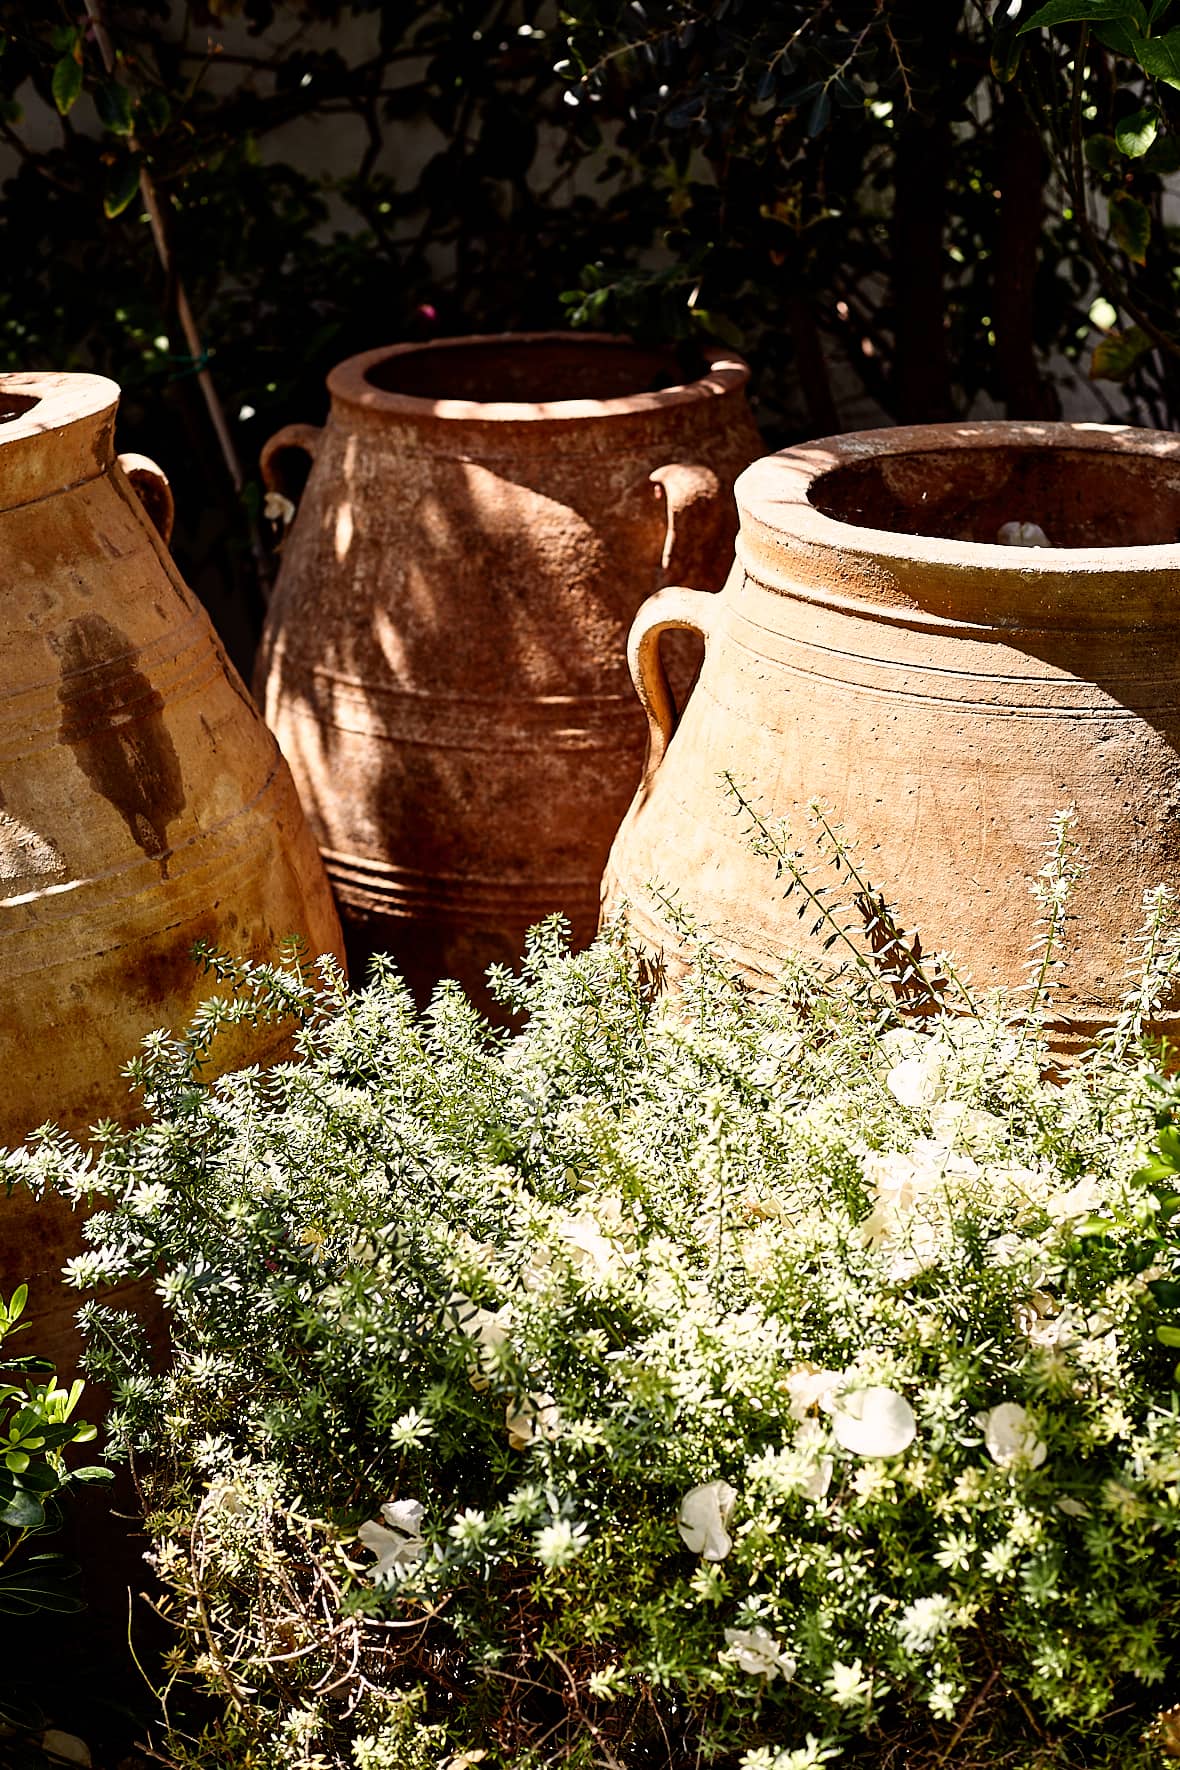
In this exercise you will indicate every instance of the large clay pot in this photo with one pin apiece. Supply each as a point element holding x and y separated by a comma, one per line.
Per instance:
<point>143,803</point>
<point>877,649</point>
<point>444,660</point>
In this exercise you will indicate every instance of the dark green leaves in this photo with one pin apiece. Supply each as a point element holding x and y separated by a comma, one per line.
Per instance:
<point>67,83</point>
<point>1102,154</point>
<point>1072,12</point>
<point>113,103</point>
<point>1160,57</point>
<point>1130,223</point>
<point>121,188</point>
<point>1136,133</point>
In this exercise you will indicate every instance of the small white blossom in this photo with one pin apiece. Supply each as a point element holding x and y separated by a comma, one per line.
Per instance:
<point>847,1685</point>
<point>558,1543</point>
<point>704,1513</point>
<point>756,1652</point>
<point>921,1623</point>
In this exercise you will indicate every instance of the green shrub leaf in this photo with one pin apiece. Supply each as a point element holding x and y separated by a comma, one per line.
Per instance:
<point>1136,133</point>
<point>1130,223</point>
<point>66,83</point>
<point>1074,12</point>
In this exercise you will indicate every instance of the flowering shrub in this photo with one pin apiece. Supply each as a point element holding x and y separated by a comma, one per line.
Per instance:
<point>718,1381</point>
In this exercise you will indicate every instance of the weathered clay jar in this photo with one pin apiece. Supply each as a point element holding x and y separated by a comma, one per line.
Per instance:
<point>143,803</point>
<point>877,649</point>
<point>444,660</point>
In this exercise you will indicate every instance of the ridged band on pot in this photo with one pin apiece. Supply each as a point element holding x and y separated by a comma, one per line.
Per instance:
<point>876,648</point>
<point>143,803</point>
<point>443,661</point>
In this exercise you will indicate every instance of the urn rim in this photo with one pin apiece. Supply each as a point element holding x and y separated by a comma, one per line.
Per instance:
<point>350,383</point>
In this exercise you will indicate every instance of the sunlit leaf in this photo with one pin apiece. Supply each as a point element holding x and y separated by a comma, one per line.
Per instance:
<point>1136,133</point>
<point>1073,12</point>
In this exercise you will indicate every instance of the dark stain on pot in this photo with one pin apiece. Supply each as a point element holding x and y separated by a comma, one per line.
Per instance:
<point>113,720</point>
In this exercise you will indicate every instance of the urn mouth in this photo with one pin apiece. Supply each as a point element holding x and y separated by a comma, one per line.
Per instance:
<point>15,405</point>
<point>980,525</point>
<point>530,378</point>
<point>1056,497</point>
<point>56,432</point>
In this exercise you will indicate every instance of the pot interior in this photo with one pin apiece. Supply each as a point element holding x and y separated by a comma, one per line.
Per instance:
<point>15,405</point>
<point>529,371</point>
<point>1076,497</point>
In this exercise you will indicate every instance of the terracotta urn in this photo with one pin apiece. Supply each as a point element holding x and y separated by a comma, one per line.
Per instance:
<point>143,803</point>
<point>444,658</point>
<point>879,648</point>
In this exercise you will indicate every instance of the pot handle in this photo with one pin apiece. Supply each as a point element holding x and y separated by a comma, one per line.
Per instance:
<point>291,436</point>
<point>151,487</point>
<point>696,509</point>
<point>673,606</point>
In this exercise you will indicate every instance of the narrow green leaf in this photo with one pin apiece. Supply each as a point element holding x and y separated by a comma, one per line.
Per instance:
<point>1130,223</point>
<point>1136,133</point>
<point>1168,1336</point>
<point>121,188</point>
<point>1078,12</point>
<point>1006,51</point>
<point>153,113</point>
<point>67,83</point>
<point>113,103</point>
<point>92,1472</point>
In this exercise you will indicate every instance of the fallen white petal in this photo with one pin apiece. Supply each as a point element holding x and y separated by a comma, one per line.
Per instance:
<point>875,1422</point>
<point>704,1513</point>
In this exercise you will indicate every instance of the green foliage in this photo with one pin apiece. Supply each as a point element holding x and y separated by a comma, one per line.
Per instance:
<point>36,1426</point>
<point>711,1379</point>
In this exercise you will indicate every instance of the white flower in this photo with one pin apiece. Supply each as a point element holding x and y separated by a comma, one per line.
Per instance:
<point>809,1756</point>
<point>756,1652</point>
<point>809,1386</point>
<point>1011,1438</point>
<point>847,1685</point>
<point>922,1622</point>
<point>875,1422</point>
<point>953,1121</point>
<point>489,1331</point>
<point>704,1513</point>
<point>559,1542</point>
<point>227,1496</point>
<point>585,1245</point>
<point>538,1416</point>
<point>400,1546</point>
<point>276,508</point>
<point>917,1081</point>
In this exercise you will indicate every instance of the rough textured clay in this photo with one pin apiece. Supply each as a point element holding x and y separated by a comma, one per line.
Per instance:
<point>877,648</point>
<point>143,803</point>
<point>444,660</point>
